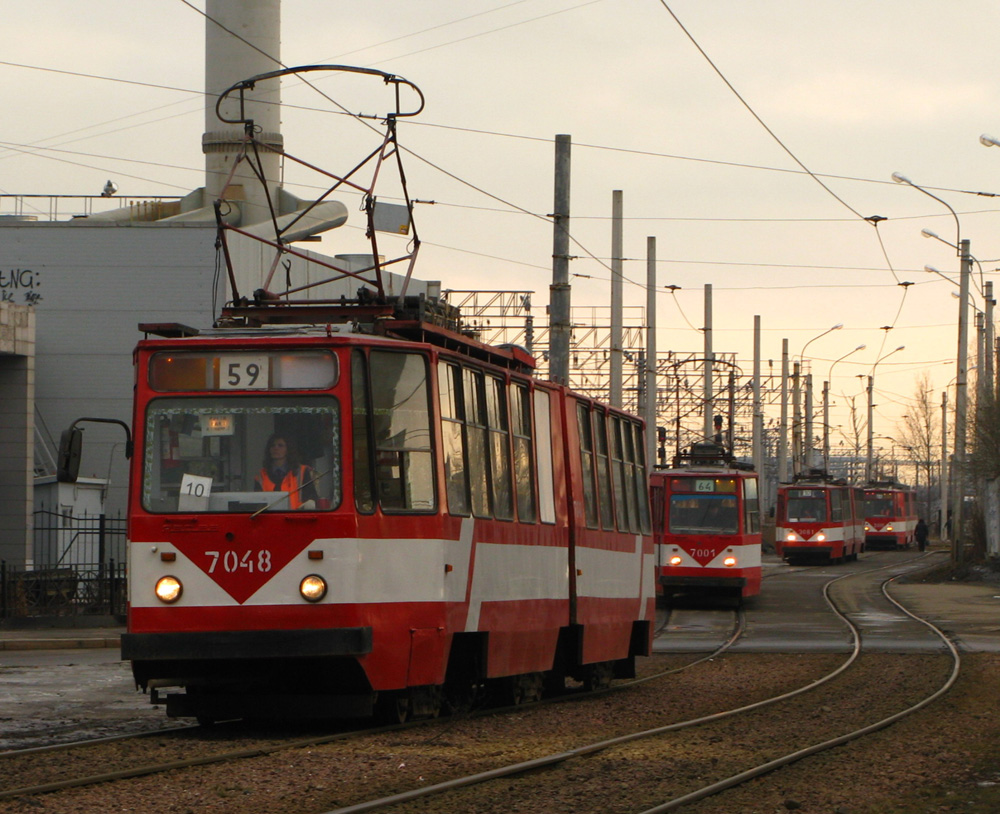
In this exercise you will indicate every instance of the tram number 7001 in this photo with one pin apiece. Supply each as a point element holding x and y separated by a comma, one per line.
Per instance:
<point>232,561</point>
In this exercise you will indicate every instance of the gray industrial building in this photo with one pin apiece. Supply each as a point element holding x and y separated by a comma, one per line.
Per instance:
<point>73,291</point>
<point>81,289</point>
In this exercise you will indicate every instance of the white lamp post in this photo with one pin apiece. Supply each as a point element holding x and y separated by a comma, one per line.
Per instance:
<point>961,396</point>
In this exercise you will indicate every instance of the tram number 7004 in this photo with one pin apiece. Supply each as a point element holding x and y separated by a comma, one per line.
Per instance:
<point>232,561</point>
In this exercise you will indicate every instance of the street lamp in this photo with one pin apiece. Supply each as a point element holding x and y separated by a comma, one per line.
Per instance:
<point>803,440</point>
<point>961,395</point>
<point>826,407</point>
<point>871,412</point>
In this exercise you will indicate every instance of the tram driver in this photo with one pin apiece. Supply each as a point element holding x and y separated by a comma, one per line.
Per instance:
<point>283,471</point>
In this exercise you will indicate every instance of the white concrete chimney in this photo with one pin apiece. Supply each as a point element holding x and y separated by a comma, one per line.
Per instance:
<point>242,39</point>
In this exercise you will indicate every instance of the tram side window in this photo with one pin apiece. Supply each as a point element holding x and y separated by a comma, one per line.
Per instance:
<point>642,493</point>
<point>364,492</point>
<point>658,496</point>
<point>836,505</point>
<point>587,463</point>
<point>475,428</point>
<point>453,439</point>
<point>857,506</point>
<point>604,499</point>
<point>496,416</point>
<point>751,506</point>
<point>542,407</point>
<point>618,474</point>
<point>404,470</point>
<point>624,429</point>
<point>524,456</point>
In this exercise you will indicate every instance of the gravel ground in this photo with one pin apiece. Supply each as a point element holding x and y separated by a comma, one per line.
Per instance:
<point>943,759</point>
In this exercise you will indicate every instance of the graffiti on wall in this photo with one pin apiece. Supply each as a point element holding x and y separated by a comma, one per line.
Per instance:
<point>20,285</point>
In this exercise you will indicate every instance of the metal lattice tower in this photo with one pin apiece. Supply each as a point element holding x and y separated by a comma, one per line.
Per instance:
<point>505,317</point>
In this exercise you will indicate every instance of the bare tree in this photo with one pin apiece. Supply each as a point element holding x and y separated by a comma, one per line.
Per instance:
<point>920,433</point>
<point>853,434</point>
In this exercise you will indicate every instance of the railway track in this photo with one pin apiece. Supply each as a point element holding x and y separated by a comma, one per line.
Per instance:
<point>559,763</point>
<point>560,760</point>
<point>169,749</point>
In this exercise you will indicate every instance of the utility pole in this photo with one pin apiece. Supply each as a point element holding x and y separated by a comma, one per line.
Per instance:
<point>616,299</point>
<point>990,339</point>
<point>709,366</point>
<point>758,412</point>
<point>961,404</point>
<point>826,427</point>
<point>944,465</point>
<point>796,419</point>
<point>783,431</point>
<point>559,292</point>
<point>650,353</point>
<point>807,447</point>
<point>871,428</point>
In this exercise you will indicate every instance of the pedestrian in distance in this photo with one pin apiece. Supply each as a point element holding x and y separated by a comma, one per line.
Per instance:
<point>920,533</point>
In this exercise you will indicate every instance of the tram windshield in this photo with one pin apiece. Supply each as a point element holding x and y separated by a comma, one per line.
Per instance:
<point>806,505</point>
<point>242,454</point>
<point>703,514</point>
<point>879,504</point>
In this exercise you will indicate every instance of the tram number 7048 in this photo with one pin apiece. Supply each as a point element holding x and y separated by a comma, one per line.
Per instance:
<point>233,562</point>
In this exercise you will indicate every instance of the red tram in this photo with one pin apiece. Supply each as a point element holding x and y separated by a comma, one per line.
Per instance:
<point>890,515</point>
<point>706,525</point>
<point>347,505</point>
<point>466,525</point>
<point>819,519</point>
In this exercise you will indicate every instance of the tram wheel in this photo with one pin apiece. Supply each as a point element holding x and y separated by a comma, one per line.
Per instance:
<point>392,707</point>
<point>599,676</point>
<point>523,688</point>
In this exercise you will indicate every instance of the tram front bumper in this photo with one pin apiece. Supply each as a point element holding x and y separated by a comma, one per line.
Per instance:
<point>668,581</point>
<point>246,644</point>
<point>806,551</point>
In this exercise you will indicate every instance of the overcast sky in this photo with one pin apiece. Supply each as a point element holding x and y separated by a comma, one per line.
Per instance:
<point>851,91</point>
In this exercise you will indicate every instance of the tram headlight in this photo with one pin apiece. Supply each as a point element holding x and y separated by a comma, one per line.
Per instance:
<point>169,589</point>
<point>790,537</point>
<point>821,537</point>
<point>889,527</point>
<point>313,588</point>
<point>729,562</point>
<point>867,527</point>
<point>675,560</point>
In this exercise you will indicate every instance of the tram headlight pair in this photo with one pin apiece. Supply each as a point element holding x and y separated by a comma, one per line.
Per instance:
<point>312,588</point>
<point>168,589</point>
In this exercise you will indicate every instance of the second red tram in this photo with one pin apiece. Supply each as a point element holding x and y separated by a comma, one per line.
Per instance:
<point>706,525</point>
<point>890,516</point>
<point>819,519</point>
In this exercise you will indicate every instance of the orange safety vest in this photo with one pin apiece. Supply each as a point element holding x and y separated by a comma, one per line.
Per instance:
<point>290,483</point>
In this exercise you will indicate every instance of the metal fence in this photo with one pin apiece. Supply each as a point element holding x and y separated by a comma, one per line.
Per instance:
<point>79,569</point>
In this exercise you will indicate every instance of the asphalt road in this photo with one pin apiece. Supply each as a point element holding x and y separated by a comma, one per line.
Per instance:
<point>791,616</point>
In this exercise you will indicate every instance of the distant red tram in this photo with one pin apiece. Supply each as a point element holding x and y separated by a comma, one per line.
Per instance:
<point>706,525</point>
<point>819,519</point>
<point>890,515</point>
